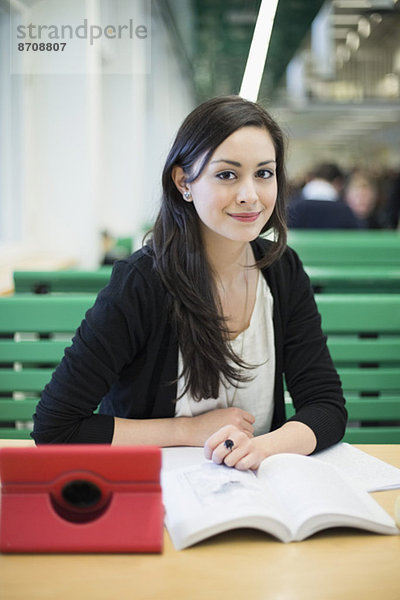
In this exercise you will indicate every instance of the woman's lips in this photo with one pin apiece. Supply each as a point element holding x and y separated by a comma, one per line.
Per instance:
<point>245,217</point>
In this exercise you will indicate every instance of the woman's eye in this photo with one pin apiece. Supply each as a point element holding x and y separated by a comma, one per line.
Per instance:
<point>226,175</point>
<point>265,173</point>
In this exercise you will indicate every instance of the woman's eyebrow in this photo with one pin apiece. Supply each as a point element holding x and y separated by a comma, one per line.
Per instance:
<point>238,164</point>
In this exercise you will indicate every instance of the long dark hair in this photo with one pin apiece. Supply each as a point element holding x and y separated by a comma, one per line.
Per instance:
<point>178,250</point>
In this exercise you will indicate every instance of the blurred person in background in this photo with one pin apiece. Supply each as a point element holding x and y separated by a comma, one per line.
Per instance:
<point>320,205</point>
<point>393,204</point>
<point>361,195</point>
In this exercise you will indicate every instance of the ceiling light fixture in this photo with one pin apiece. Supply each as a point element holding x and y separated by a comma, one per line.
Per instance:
<point>364,27</point>
<point>376,18</point>
<point>353,4</point>
<point>353,40</point>
<point>346,19</point>
<point>258,50</point>
<point>343,53</point>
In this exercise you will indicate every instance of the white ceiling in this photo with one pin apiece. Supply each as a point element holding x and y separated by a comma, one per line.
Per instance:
<point>346,105</point>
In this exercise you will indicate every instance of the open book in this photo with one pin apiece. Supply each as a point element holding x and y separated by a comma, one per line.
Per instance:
<point>290,497</point>
<point>367,472</point>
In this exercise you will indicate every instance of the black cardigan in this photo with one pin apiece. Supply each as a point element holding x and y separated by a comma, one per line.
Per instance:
<point>124,355</point>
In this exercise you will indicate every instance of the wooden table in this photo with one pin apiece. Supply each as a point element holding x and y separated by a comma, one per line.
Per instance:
<point>339,564</point>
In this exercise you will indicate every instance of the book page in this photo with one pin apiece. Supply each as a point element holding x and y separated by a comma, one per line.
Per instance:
<point>370,473</point>
<point>175,457</point>
<point>307,488</point>
<point>205,499</point>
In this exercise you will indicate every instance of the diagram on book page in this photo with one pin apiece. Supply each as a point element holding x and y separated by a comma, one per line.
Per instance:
<point>215,484</point>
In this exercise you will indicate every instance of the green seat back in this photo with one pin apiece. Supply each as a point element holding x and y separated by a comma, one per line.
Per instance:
<point>354,279</point>
<point>361,248</point>
<point>34,331</point>
<point>71,280</point>
<point>363,336</point>
<point>364,340</point>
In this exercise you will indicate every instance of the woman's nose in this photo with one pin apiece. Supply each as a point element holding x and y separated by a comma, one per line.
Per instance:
<point>247,193</point>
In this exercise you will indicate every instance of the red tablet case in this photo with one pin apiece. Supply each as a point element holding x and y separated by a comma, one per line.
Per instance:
<point>81,498</point>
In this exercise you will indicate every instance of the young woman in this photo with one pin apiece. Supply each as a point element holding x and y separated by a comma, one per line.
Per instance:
<point>189,342</point>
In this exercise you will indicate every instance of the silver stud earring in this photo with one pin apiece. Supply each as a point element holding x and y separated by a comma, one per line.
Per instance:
<point>187,195</point>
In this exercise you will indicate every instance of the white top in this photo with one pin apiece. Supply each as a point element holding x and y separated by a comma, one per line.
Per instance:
<point>319,189</point>
<point>256,346</point>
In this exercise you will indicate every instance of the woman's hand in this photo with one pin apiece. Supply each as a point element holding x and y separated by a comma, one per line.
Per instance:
<point>196,430</point>
<point>246,452</point>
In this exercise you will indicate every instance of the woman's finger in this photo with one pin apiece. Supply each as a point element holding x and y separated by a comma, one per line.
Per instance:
<point>223,450</point>
<point>236,455</point>
<point>248,417</point>
<point>231,449</point>
<point>218,438</point>
<point>249,461</point>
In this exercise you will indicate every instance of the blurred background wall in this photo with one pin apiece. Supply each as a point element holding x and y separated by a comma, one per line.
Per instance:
<point>84,132</point>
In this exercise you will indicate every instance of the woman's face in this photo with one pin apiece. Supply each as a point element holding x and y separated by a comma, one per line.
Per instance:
<point>236,193</point>
<point>361,198</point>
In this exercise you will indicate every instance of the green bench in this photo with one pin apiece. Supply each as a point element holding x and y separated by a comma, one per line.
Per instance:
<point>364,339</point>
<point>355,248</point>
<point>70,280</point>
<point>34,330</point>
<point>354,279</point>
<point>330,279</point>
